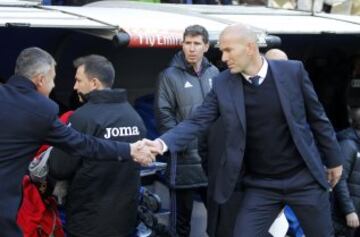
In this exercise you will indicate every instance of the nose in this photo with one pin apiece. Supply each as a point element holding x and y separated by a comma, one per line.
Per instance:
<point>75,86</point>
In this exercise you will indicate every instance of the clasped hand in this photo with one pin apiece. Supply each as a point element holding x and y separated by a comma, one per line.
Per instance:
<point>145,151</point>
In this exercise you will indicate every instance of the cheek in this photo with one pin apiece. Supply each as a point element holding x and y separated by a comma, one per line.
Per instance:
<point>240,59</point>
<point>186,50</point>
<point>86,88</point>
<point>81,87</point>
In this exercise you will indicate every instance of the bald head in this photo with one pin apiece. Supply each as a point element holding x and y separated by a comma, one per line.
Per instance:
<point>241,31</point>
<point>276,54</point>
<point>240,52</point>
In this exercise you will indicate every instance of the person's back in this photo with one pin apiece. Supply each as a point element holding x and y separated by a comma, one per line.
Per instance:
<point>102,198</point>
<point>24,116</point>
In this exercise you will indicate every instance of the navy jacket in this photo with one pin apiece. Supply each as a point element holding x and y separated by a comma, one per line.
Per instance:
<point>308,124</point>
<point>28,120</point>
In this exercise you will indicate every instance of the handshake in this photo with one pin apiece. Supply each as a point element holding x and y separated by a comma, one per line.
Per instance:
<point>145,151</point>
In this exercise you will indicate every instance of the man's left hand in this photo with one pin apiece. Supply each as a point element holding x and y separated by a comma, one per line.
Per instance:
<point>334,175</point>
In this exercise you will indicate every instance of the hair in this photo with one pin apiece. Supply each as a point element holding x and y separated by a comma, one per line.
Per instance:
<point>99,67</point>
<point>32,61</point>
<point>196,30</point>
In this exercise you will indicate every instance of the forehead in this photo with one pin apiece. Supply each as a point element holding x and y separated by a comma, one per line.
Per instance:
<point>226,39</point>
<point>194,38</point>
<point>229,40</point>
<point>80,71</point>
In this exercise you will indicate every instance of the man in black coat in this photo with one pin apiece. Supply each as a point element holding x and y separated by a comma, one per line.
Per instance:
<point>29,119</point>
<point>181,88</point>
<point>102,197</point>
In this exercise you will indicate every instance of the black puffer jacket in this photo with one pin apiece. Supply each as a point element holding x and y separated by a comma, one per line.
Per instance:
<point>102,197</point>
<point>347,191</point>
<point>180,90</point>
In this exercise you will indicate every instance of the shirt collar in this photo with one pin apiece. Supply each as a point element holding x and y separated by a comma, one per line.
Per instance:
<point>262,73</point>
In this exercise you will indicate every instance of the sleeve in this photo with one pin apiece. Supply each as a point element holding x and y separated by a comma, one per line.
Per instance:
<point>177,138</point>
<point>341,190</point>
<point>165,104</point>
<point>77,144</point>
<point>318,121</point>
<point>61,164</point>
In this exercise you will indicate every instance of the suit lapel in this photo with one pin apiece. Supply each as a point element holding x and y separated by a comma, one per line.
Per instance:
<point>237,97</point>
<point>280,79</point>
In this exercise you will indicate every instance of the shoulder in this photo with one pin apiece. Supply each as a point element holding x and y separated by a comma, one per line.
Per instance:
<point>44,106</point>
<point>171,73</point>
<point>29,102</point>
<point>223,76</point>
<point>212,70</point>
<point>286,65</point>
<point>81,115</point>
<point>222,79</point>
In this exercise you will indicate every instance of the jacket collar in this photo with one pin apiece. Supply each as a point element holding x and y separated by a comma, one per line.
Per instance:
<point>107,96</point>
<point>180,62</point>
<point>21,82</point>
<point>237,91</point>
<point>237,95</point>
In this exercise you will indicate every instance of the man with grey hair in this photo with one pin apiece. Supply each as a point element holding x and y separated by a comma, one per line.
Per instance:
<point>275,130</point>
<point>29,119</point>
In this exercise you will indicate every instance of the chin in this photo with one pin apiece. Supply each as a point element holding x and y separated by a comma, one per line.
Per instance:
<point>233,70</point>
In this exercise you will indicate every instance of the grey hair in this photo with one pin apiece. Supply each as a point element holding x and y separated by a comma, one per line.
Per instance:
<point>32,61</point>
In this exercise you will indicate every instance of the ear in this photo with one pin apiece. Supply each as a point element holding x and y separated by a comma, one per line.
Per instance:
<point>96,84</point>
<point>251,48</point>
<point>207,45</point>
<point>38,80</point>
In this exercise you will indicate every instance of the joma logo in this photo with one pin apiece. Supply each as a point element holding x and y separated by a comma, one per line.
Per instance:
<point>121,132</point>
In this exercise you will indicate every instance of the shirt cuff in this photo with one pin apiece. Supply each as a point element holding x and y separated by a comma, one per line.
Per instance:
<point>164,146</point>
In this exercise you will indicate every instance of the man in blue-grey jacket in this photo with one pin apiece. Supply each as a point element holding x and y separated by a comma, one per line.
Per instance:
<point>29,119</point>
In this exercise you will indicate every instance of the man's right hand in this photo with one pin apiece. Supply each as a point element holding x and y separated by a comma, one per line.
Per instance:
<point>156,146</point>
<point>141,153</point>
<point>352,220</point>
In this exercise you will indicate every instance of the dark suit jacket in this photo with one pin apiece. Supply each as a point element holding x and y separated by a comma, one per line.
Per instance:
<point>308,124</point>
<point>28,120</point>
